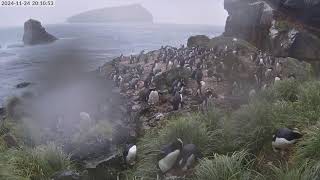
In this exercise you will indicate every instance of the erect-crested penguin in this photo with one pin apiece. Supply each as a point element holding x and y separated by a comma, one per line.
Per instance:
<point>198,76</point>
<point>188,156</point>
<point>261,62</point>
<point>130,154</point>
<point>268,73</point>
<point>277,78</point>
<point>279,67</point>
<point>169,65</point>
<point>285,137</point>
<point>85,116</point>
<point>169,155</point>
<point>153,97</point>
<point>252,93</point>
<point>177,101</point>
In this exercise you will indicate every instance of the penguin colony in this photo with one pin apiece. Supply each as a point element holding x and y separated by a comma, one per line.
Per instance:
<point>212,77</point>
<point>220,71</point>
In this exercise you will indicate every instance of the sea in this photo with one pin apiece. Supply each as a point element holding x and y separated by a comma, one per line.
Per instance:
<point>99,43</point>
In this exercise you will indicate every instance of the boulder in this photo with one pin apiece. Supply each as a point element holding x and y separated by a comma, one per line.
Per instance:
<point>300,69</point>
<point>2,111</point>
<point>66,175</point>
<point>23,85</point>
<point>35,34</point>
<point>105,167</point>
<point>305,46</point>
<point>199,40</point>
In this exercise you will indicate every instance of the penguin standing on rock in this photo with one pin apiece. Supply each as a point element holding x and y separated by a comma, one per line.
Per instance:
<point>130,154</point>
<point>284,138</point>
<point>169,155</point>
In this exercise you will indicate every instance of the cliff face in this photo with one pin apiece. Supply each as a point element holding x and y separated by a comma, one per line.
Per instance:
<point>287,28</point>
<point>131,13</point>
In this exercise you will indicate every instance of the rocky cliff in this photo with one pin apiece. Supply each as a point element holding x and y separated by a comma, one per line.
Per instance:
<point>35,33</point>
<point>284,28</point>
<point>131,13</point>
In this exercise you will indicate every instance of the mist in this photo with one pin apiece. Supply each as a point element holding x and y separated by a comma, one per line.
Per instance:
<point>64,90</point>
<point>209,12</point>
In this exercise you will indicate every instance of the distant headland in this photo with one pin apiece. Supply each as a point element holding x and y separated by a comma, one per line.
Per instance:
<point>131,13</point>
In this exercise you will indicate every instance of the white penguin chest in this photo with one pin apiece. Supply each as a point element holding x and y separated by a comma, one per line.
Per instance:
<point>282,143</point>
<point>168,162</point>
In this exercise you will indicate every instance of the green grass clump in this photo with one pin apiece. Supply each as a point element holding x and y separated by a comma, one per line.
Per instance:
<point>238,166</point>
<point>308,149</point>
<point>101,130</point>
<point>251,126</point>
<point>286,90</point>
<point>185,128</point>
<point>309,100</point>
<point>3,146</point>
<point>305,171</point>
<point>33,164</point>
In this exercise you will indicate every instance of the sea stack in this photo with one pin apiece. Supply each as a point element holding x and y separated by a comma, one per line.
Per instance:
<point>35,33</point>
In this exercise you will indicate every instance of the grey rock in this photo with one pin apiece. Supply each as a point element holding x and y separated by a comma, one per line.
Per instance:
<point>200,40</point>
<point>2,111</point>
<point>35,34</point>
<point>23,85</point>
<point>66,175</point>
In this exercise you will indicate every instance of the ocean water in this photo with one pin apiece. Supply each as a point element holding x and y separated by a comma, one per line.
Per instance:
<point>99,43</point>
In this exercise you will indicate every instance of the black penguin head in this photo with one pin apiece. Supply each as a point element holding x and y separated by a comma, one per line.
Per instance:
<point>296,133</point>
<point>178,144</point>
<point>152,88</point>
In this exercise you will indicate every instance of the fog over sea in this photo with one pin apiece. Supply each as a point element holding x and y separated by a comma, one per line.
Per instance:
<point>98,42</point>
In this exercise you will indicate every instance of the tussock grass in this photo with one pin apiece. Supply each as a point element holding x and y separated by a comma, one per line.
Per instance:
<point>37,164</point>
<point>238,166</point>
<point>186,128</point>
<point>308,149</point>
<point>101,130</point>
<point>286,90</point>
<point>309,100</point>
<point>305,171</point>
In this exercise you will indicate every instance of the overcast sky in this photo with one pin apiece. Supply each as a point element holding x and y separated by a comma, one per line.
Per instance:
<point>164,11</point>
